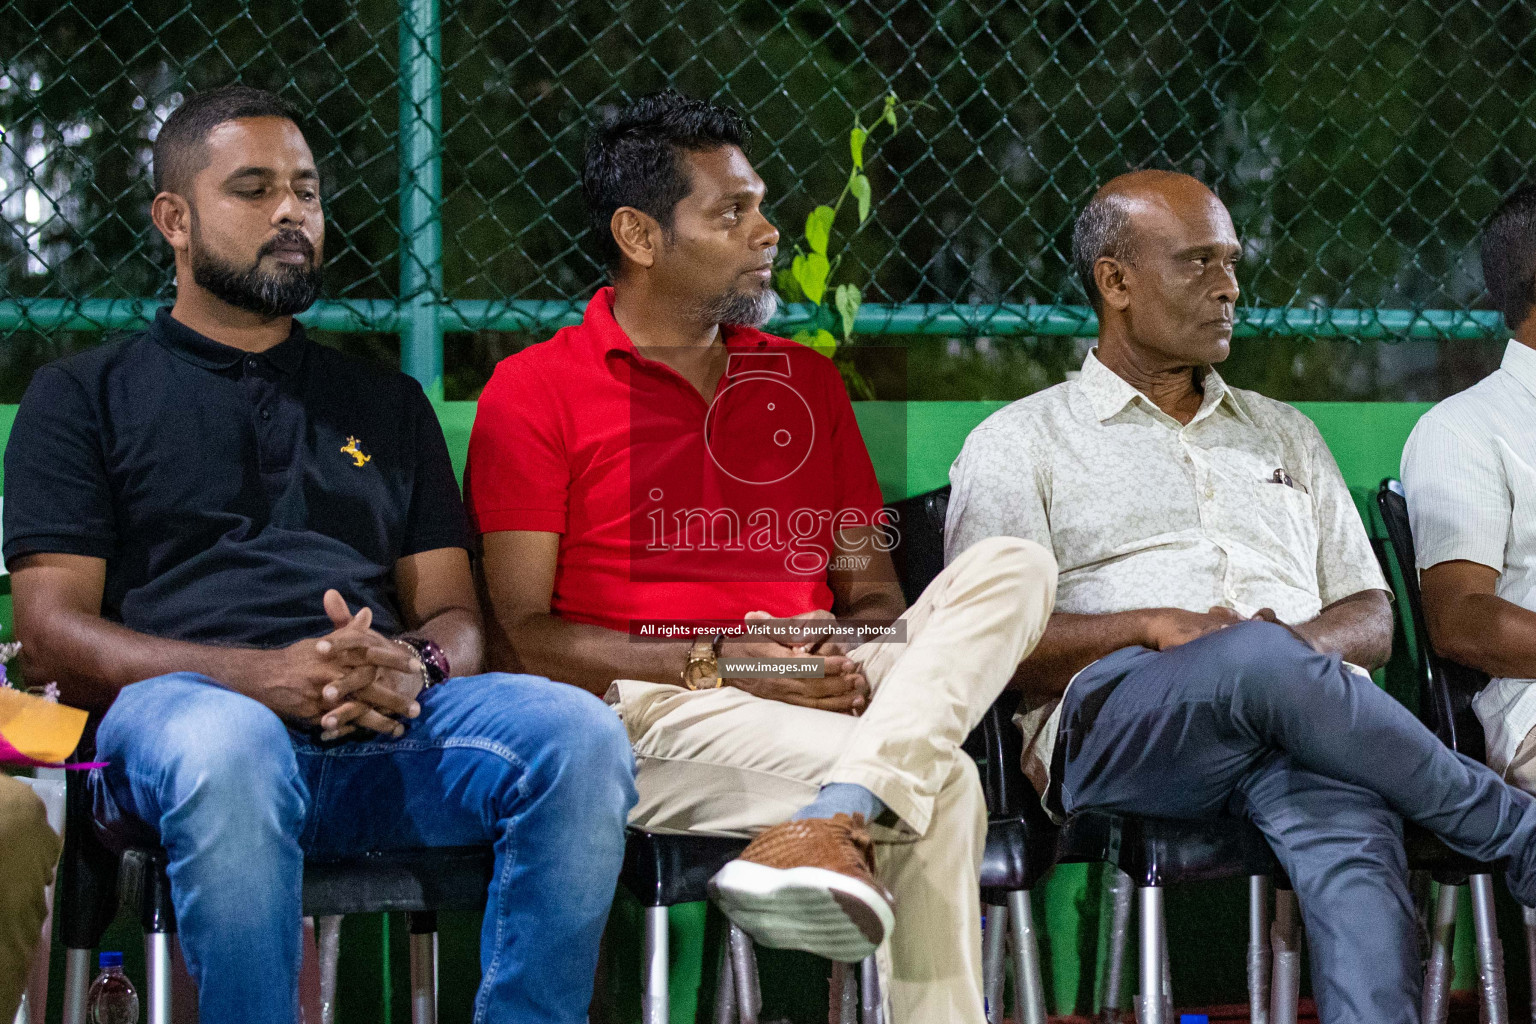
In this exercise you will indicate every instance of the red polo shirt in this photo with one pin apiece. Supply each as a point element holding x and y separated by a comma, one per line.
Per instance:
<point>667,506</point>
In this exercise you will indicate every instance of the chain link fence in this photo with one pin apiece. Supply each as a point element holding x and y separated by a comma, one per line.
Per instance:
<point>1359,144</point>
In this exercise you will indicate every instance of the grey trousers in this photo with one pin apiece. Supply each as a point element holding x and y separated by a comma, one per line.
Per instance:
<point>1251,721</point>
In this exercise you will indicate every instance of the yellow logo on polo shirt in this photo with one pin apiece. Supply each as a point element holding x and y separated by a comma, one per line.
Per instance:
<point>358,458</point>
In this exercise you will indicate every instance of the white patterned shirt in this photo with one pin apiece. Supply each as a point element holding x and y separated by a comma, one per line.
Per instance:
<point>1469,471</point>
<point>1243,507</point>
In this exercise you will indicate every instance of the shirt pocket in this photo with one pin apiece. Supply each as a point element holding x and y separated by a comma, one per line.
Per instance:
<point>1277,522</point>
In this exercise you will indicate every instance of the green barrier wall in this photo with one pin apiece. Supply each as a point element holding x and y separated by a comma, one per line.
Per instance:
<point>912,445</point>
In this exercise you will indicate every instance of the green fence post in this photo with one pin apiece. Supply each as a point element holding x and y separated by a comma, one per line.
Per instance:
<point>421,194</point>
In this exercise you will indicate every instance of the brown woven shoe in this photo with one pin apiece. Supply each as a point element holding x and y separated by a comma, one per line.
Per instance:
<point>810,885</point>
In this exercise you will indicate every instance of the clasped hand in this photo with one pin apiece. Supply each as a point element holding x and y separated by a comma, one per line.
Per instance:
<point>351,678</point>
<point>842,688</point>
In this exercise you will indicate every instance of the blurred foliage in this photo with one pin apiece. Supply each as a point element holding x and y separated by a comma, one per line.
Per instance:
<point>1358,143</point>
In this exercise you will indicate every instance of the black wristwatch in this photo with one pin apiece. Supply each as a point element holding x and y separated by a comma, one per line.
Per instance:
<point>434,663</point>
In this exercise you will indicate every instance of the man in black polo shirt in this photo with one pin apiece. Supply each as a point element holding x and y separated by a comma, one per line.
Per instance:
<point>269,536</point>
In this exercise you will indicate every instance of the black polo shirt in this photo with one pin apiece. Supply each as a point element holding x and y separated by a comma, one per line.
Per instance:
<point>227,491</point>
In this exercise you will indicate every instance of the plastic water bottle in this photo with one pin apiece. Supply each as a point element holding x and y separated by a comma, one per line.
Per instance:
<point>112,999</point>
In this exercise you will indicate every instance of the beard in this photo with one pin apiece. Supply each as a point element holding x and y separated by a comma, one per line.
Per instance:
<point>282,290</point>
<point>741,308</point>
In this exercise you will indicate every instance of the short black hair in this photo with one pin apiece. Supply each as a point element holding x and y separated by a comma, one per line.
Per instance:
<point>632,159</point>
<point>1102,229</point>
<point>179,152</point>
<point>1509,256</point>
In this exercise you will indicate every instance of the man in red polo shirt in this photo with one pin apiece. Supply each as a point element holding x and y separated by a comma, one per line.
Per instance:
<point>666,462</point>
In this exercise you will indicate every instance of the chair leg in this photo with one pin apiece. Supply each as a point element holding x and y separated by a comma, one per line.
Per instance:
<point>1119,892</point>
<point>1437,972</point>
<point>1490,952</point>
<point>725,985</point>
<point>994,952</point>
<point>423,968</point>
<point>157,969</point>
<point>871,998</point>
<point>1152,1009</point>
<point>749,996</point>
<point>1529,914</point>
<point>328,940</point>
<point>77,983</point>
<point>1029,990</point>
<point>1258,949</point>
<point>1285,992</point>
<point>654,1003</point>
<point>843,998</point>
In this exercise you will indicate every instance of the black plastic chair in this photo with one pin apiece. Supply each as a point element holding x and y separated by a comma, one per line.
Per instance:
<point>1021,840</point>
<point>1445,692</point>
<point>93,882</point>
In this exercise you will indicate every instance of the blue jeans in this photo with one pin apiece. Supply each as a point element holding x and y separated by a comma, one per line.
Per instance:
<point>541,769</point>
<point>1250,720</point>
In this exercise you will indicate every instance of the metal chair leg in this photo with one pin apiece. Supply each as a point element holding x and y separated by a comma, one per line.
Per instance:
<point>994,950</point>
<point>725,985</point>
<point>328,941</point>
<point>1119,891</point>
<point>157,968</point>
<point>1529,915</point>
<point>749,997</point>
<point>653,999</point>
<point>1258,949</point>
<point>1167,972</point>
<point>1029,990</point>
<point>424,968</point>
<point>1151,1008</point>
<point>872,1000</point>
<point>77,984</point>
<point>1285,993</point>
<point>1437,972</point>
<point>1490,952</point>
<point>843,995</point>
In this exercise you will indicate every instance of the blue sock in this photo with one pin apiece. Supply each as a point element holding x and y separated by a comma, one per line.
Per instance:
<point>842,798</point>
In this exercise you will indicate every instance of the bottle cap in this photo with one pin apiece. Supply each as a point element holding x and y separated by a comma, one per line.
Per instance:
<point>110,960</point>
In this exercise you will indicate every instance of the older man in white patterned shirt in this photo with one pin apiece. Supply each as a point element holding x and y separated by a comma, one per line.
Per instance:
<point>1469,472</point>
<point>1217,592</point>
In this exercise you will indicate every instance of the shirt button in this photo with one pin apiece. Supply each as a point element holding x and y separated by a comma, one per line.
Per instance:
<point>1210,492</point>
<point>266,414</point>
<point>250,362</point>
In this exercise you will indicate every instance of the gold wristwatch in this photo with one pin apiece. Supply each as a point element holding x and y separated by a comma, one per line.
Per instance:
<point>703,669</point>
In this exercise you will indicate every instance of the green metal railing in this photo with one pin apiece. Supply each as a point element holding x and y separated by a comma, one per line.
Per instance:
<point>450,140</point>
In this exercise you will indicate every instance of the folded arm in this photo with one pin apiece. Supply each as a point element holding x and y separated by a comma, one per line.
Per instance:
<point>1470,624</point>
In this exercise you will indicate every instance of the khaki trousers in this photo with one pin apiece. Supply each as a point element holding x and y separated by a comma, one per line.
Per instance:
<point>724,762</point>
<point>29,848</point>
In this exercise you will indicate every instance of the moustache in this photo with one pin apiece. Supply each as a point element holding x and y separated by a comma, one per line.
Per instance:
<point>288,240</point>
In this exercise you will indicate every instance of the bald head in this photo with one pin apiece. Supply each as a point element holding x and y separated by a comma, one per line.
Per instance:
<point>1108,225</point>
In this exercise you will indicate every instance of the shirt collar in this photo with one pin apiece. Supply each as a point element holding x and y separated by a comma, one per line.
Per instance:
<point>1520,363</point>
<point>201,350</point>
<point>1108,392</point>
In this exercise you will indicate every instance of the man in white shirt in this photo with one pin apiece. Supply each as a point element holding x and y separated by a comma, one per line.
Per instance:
<point>1216,591</point>
<point>1469,471</point>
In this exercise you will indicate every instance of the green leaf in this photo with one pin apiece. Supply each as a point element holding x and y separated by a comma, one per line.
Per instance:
<point>820,340</point>
<point>890,110</point>
<point>848,300</point>
<point>859,186</point>
<point>810,274</point>
<point>788,288</point>
<point>856,144</point>
<point>818,228</point>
